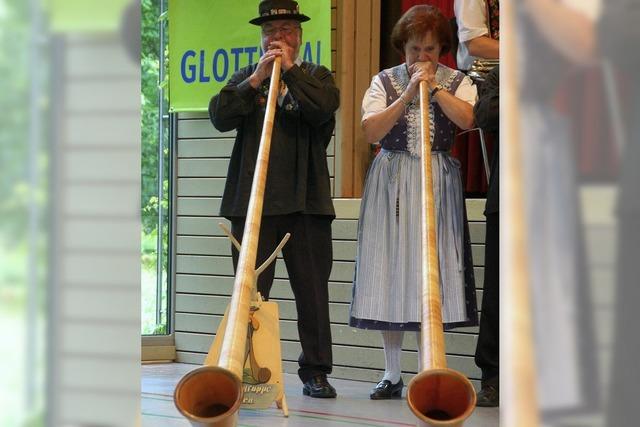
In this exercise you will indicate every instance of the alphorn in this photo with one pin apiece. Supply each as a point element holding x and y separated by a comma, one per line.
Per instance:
<point>437,396</point>
<point>519,384</point>
<point>211,395</point>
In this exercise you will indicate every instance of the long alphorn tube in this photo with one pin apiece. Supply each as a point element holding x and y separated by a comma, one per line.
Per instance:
<point>211,395</point>
<point>519,385</point>
<point>437,396</point>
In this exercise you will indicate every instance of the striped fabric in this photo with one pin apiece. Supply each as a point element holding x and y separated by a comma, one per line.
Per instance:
<point>388,267</point>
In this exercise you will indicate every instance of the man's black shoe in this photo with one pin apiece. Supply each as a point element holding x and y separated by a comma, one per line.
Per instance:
<point>318,386</point>
<point>488,397</point>
<point>385,390</point>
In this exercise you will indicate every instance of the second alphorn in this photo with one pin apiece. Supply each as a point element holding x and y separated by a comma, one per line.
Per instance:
<point>437,396</point>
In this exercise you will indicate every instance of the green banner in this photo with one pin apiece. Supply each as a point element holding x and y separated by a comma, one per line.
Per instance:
<point>86,15</point>
<point>211,39</point>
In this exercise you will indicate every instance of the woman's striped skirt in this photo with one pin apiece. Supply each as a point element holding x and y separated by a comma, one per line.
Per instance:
<point>386,291</point>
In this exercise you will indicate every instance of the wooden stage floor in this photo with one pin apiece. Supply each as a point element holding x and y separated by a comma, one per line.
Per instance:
<point>352,407</point>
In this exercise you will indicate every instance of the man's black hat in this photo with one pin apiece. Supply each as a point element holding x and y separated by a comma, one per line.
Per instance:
<point>270,10</point>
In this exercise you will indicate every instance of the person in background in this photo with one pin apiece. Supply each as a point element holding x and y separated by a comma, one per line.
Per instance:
<point>478,31</point>
<point>487,117</point>
<point>478,34</point>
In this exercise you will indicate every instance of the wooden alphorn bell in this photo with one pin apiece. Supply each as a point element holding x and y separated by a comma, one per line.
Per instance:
<point>437,396</point>
<point>212,394</point>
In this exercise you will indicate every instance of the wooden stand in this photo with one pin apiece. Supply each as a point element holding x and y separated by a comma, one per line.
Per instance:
<point>262,380</point>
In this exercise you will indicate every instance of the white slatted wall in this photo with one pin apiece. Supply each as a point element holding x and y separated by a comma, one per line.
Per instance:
<point>94,296</point>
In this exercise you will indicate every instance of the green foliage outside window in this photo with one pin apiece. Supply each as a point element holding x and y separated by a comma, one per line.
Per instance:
<point>151,202</point>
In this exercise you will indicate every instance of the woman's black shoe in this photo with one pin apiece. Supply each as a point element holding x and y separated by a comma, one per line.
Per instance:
<point>385,390</point>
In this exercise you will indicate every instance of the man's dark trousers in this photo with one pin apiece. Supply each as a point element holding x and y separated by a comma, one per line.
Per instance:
<point>488,349</point>
<point>308,257</point>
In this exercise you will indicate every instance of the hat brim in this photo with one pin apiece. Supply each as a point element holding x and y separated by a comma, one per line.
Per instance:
<point>292,16</point>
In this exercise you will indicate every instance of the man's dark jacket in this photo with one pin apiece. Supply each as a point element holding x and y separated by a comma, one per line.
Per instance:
<point>298,176</point>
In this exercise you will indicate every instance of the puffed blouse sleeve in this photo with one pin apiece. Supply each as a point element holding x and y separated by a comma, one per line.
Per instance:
<point>375,98</point>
